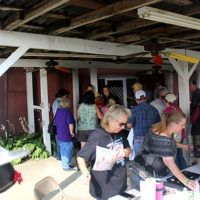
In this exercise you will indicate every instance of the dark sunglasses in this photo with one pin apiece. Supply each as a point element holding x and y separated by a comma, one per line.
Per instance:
<point>163,97</point>
<point>121,124</point>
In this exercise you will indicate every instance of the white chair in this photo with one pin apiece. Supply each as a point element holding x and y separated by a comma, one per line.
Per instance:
<point>47,189</point>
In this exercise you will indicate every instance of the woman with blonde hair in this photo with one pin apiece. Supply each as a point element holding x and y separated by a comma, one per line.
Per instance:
<point>107,183</point>
<point>158,151</point>
<point>65,132</point>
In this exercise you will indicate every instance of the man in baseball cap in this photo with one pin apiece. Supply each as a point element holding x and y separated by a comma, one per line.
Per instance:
<point>143,116</point>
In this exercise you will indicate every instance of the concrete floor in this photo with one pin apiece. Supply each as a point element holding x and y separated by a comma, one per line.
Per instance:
<point>34,170</point>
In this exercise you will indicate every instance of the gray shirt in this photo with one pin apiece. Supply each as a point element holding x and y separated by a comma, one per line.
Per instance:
<point>159,105</point>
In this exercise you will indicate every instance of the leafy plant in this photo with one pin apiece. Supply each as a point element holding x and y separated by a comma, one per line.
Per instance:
<point>33,142</point>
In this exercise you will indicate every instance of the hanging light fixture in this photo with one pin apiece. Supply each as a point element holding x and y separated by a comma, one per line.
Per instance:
<point>167,17</point>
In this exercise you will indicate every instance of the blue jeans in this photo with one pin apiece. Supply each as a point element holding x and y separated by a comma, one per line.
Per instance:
<point>180,160</point>
<point>58,156</point>
<point>66,150</point>
<point>137,144</point>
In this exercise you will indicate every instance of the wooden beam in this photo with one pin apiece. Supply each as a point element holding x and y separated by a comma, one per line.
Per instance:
<point>56,16</point>
<point>68,55</point>
<point>187,36</point>
<point>103,13</point>
<point>32,26</point>
<point>36,12</point>
<point>5,7</point>
<point>12,59</point>
<point>130,25</point>
<point>29,91</point>
<point>128,38</point>
<point>75,64</point>
<point>39,41</point>
<point>139,23</point>
<point>75,85</point>
<point>87,4</point>
<point>180,2</point>
<point>192,70</point>
<point>45,110</point>
<point>13,21</point>
<point>94,5</point>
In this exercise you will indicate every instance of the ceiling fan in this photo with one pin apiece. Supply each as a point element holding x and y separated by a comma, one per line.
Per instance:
<point>52,64</point>
<point>156,49</point>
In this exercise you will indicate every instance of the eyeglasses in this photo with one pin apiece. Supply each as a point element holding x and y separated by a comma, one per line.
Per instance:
<point>163,97</point>
<point>121,124</point>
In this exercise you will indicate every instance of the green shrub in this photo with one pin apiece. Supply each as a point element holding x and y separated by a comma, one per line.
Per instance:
<point>33,142</point>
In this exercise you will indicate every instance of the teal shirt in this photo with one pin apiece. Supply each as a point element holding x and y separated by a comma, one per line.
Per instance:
<point>88,117</point>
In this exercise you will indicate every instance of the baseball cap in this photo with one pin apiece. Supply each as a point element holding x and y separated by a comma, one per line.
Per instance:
<point>137,86</point>
<point>170,98</point>
<point>140,93</point>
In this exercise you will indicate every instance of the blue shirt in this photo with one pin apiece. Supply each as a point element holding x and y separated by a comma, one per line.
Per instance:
<point>143,116</point>
<point>62,120</point>
<point>56,105</point>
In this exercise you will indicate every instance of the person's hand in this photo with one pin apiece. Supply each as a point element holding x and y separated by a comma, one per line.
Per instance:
<point>72,134</point>
<point>191,147</point>
<point>192,185</point>
<point>120,154</point>
<point>86,178</point>
<point>185,147</point>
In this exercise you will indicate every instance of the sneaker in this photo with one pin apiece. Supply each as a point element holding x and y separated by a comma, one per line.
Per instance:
<point>68,169</point>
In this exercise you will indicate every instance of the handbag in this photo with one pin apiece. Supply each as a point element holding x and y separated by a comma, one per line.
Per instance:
<point>52,127</point>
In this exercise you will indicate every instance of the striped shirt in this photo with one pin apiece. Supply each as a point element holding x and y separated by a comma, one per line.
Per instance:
<point>56,105</point>
<point>143,116</point>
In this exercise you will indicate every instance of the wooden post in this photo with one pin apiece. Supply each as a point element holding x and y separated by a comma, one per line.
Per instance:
<point>45,109</point>
<point>93,78</point>
<point>75,91</point>
<point>184,75</point>
<point>29,89</point>
<point>170,82</point>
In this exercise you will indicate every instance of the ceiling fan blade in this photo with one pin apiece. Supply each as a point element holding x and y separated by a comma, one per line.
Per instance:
<point>63,70</point>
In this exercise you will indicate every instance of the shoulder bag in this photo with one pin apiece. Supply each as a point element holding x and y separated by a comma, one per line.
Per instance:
<point>52,127</point>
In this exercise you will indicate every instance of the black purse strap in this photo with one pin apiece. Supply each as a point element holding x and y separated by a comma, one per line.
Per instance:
<point>53,120</point>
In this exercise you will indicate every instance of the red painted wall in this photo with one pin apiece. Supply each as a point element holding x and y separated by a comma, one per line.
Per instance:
<point>13,99</point>
<point>13,102</point>
<point>84,79</point>
<point>57,80</point>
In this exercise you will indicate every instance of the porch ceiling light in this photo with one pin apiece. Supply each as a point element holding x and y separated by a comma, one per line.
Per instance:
<point>167,17</point>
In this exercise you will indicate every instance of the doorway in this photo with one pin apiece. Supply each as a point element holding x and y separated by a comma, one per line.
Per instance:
<point>119,86</point>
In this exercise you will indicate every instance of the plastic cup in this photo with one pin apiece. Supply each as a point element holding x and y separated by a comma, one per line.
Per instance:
<point>159,190</point>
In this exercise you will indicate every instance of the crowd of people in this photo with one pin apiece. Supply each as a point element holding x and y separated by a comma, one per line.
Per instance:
<point>154,145</point>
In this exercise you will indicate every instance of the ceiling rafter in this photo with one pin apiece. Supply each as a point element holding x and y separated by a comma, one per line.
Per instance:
<point>103,13</point>
<point>130,25</point>
<point>94,5</point>
<point>32,26</point>
<point>87,4</point>
<point>34,13</point>
<point>56,16</point>
<point>180,2</point>
<point>5,7</point>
